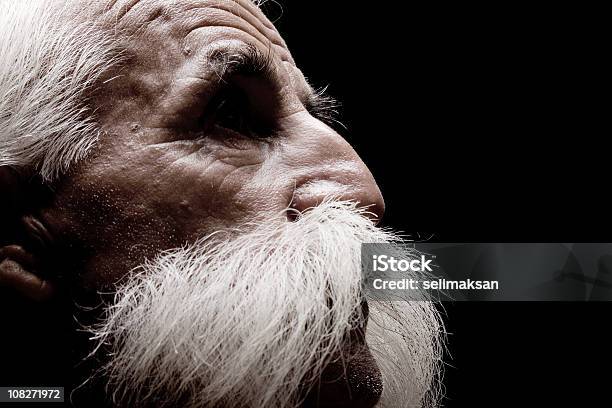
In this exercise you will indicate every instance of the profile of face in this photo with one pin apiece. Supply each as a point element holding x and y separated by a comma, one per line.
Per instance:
<point>186,167</point>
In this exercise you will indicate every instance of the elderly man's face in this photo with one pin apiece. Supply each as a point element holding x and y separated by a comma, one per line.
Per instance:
<point>217,216</point>
<point>209,124</point>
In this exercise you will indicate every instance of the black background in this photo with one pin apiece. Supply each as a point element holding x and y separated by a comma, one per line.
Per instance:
<point>480,123</point>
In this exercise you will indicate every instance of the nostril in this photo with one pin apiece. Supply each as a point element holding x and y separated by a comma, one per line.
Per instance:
<point>292,214</point>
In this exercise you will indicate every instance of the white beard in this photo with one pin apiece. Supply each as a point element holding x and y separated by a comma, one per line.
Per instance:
<point>242,318</point>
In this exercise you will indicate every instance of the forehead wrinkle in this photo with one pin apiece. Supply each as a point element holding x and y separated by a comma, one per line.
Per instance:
<point>245,9</point>
<point>109,5</point>
<point>258,21</point>
<point>136,17</point>
<point>257,14</point>
<point>121,8</point>
<point>214,17</point>
<point>195,22</point>
<point>132,17</point>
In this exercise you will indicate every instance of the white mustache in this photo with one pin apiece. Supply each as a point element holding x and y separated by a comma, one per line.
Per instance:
<point>244,318</point>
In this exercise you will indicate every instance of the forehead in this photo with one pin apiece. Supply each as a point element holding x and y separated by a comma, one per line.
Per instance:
<point>168,47</point>
<point>193,24</point>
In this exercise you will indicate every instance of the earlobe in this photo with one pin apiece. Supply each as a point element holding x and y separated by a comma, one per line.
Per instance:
<point>18,272</point>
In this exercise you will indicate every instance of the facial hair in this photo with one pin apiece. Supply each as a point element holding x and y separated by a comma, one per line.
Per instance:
<point>245,317</point>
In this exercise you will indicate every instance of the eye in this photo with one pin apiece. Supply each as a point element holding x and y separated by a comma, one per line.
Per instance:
<point>231,110</point>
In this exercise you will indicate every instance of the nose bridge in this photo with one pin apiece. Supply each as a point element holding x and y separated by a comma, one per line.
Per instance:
<point>325,166</point>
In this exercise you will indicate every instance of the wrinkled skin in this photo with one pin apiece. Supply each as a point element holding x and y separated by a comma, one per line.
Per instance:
<point>162,176</point>
<point>152,184</point>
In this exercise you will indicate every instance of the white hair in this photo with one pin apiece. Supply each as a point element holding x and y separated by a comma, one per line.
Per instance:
<point>242,321</point>
<point>49,65</point>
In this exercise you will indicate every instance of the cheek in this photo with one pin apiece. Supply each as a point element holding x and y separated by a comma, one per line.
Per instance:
<point>126,204</point>
<point>211,188</point>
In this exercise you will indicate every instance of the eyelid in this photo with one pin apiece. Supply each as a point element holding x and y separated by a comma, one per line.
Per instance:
<point>254,128</point>
<point>249,68</point>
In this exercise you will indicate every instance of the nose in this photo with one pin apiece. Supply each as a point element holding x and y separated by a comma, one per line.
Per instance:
<point>328,166</point>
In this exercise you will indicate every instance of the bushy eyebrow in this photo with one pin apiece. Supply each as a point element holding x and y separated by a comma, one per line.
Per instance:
<point>245,60</point>
<point>250,61</point>
<point>324,107</point>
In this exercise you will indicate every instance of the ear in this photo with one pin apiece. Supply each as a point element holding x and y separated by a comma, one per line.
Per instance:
<point>24,242</point>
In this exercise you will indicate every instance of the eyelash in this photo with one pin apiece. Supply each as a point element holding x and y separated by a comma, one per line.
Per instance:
<point>327,109</point>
